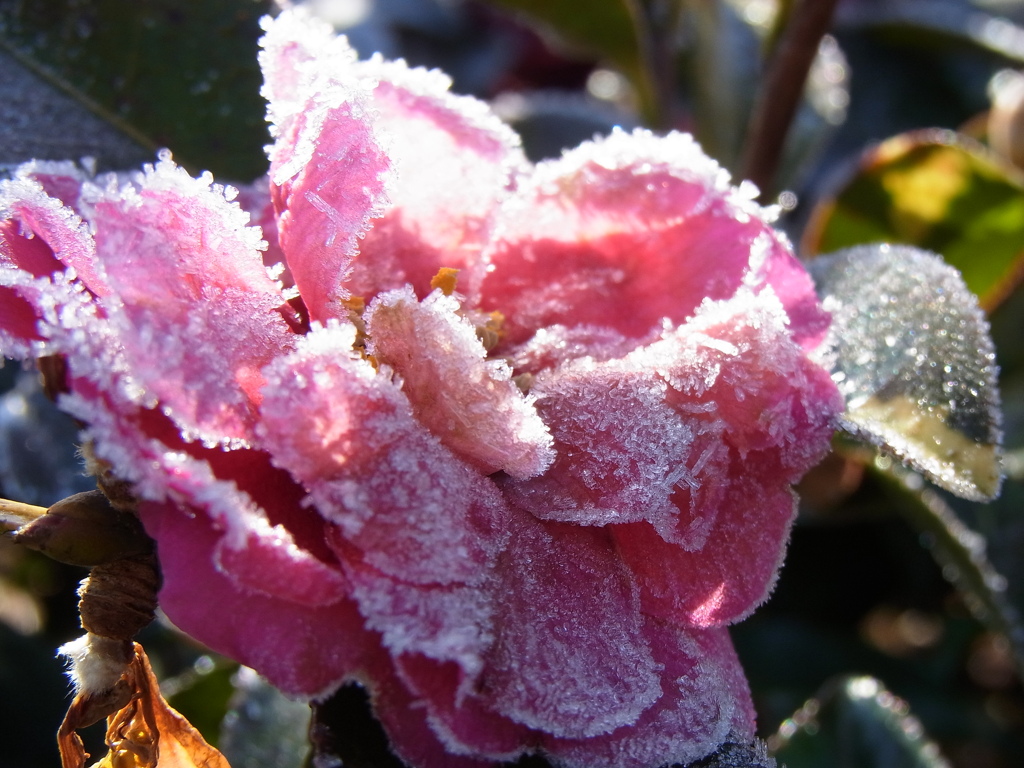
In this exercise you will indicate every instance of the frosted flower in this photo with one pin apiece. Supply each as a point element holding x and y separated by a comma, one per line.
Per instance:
<point>523,532</point>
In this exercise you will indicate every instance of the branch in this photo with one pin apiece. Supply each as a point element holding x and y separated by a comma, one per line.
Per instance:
<point>781,89</point>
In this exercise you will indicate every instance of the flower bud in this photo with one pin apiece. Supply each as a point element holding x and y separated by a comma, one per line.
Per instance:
<point>85,529</point>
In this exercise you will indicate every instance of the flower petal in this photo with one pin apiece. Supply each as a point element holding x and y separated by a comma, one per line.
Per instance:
<point>406,720</point>
<point>621,451</point>
<point>454,161</point>
<point>648,436</point>
<point>450,623</point>
<point>39,239</point>
<point>460,718</point>
<point>625,232</point>
<point>570,658</point>
<point>705,702</point>
<point>732,574</point>
<point>348,434</point>
<point>255,553</point>
<point>198,314</point>
<point>49,235</point>
<point>267,542</point>
<point>470,403</point>
<point>303,650</point>
<point>328,171</point>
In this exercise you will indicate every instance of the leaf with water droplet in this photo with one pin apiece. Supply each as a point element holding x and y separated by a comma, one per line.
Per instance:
<point>912,355</point>
<point>857,718</point>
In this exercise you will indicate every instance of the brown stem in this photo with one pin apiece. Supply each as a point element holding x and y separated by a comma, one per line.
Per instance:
<point>781,89</point>
<point>14,514</point>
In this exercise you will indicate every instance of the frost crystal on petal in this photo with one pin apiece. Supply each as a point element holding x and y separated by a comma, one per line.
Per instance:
<point>470,403</point>
<point>625,232</point>
<point>453,161</point>
<point>415,510</point>
<point>195,309</point>
<point>570,658</point>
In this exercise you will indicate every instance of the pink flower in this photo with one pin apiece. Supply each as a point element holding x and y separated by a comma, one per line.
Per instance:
<point>342,494</point>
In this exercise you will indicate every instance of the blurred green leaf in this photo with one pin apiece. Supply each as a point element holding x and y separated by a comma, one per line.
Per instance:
<point>263,728</point>
<point>603,28</point>
<point>962,554</point>
<point>201,694</point>
<point>854,722</point>
<point>938,191</point>
<point>180,74</point>
<point>914,361</point>
<point>944,24</point>
<point>722,65</point>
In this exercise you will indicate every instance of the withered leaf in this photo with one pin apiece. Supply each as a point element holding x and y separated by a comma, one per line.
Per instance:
<point>145,732</point>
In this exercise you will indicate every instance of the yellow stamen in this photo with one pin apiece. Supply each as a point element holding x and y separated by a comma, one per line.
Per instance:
<point>445,279</point>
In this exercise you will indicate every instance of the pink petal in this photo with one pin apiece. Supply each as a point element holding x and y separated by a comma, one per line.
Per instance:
<point>26,252</point>
<point>198,316</point>
<point>326,206</point>
<point>61,179</point>
<point>344,128</point>
<point>51,315</point>
<point>268,542</point>
<point>622,233</point>
<point>737,363</point>
<point>303,650</point>
<point>621,452</point>
<point>570,657</point>
<point>461,719</point>
<point>49,277</point>
<point>253,552</point>
<point>18,321</point>
<point>348,434</point>
<point>732,574</point>
<point>680,434</point>
<point>327,167</point>
<point>297,49</point>
<point>42,236</point>
<point>450,623</point>
<point>454,161</point>
<point>469,402</point>
<point>554,345</point>
<point>406,721</point>
<point>736,369</point>
<point>705,703</point>
<point>648,436</point>
<point>808,321</point>
<point>255,199</point>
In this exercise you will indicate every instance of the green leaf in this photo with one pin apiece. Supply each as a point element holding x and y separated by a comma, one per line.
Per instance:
<point>722,69</point>
<point>938,191</point>
<point>263,728</point>
<point>913,359</point>
<point>854,722</point>
<point>942,24</point>
<point>181,74</point>
<point>962,554</point>
<point>201,694</point>
<point>603,28</point>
